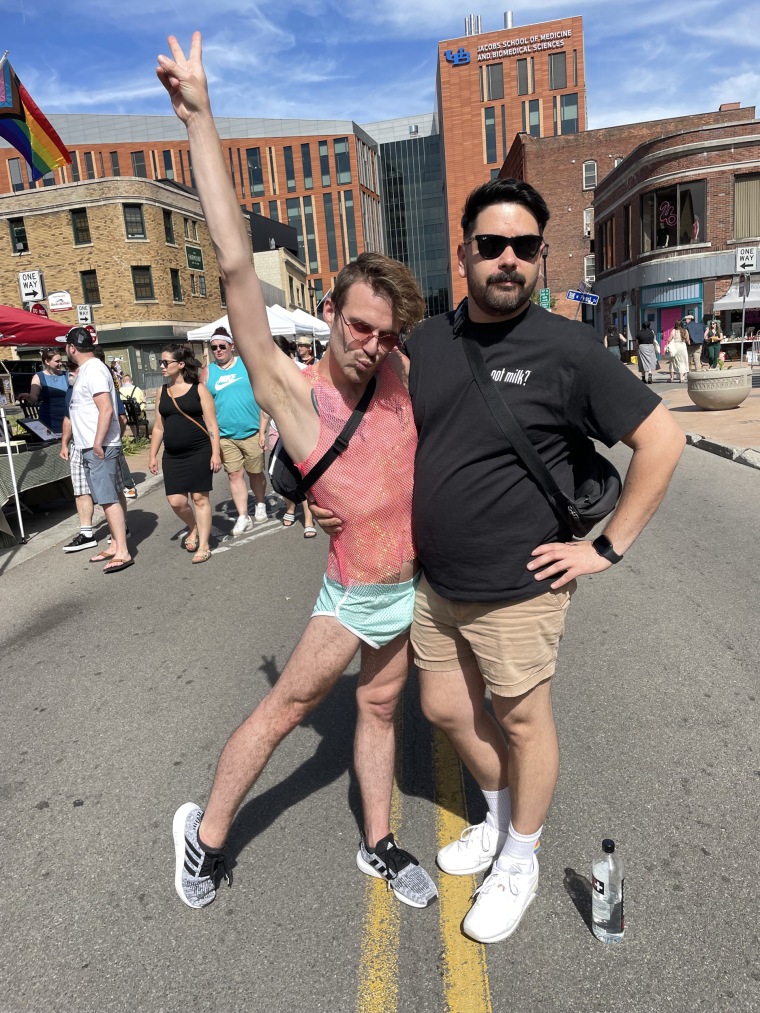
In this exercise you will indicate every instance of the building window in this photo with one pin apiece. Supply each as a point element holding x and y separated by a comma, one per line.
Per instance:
<point>202,285</point>
<point>491,82</point>
<point>531,114</point>
<point>311,240</point>
<point>522,77</point>
<point>588,223</point>
<point>81,227</point>
<point>606,245</point>
<point>673,216</point>
<point>114,156</point>
<point>324,163</point>
<point>746,206</point>
<point>74,167</point>
<point>89,165</point>
<point>489,115</point>
<point>19,242</point>
<point>558,70</point>
<point>17,180</point>
<point>138,164</point>
<point>293,206</point>
<point>190,167</point>
<point>192,284</point>
<point>342,161</point>
<point>182,168</point>
<point>348,199</point>
<point>568,110</point>
<point>142,282</point>
<point>308,180</point>
<point>155,164</point>
<point>256,207</point>
<point>589,175</point>
<point>255,171</point>
<point>90,287</point>
<point>589,269</point>
<point>272,170</point>
<point>290,171</point>
<point>176,285</point>
<point>292,291</point>
<point>169,227</point>
<point>168,164</point>
<point>134,221</point>
<point>503,133</point>
<point>49,178</point>
<point>274,210</point>
<point>616,161</point>
<point>332,248</point>
<point>495,173</point>
<point>627,232</point>
<point>575,68</point>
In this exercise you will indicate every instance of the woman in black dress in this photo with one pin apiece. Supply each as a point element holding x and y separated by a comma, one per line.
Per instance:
<point>186,425</point>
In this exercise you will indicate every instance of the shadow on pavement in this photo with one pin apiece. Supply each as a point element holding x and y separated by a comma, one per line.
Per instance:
<point>579,890</point>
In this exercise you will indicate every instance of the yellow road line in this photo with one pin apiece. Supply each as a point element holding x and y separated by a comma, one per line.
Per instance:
<point>378,967</point>
<point>465,974</point>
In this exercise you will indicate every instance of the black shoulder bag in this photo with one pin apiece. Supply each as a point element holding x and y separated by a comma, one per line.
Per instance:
<point>597,482</point>
<point>286,478</point>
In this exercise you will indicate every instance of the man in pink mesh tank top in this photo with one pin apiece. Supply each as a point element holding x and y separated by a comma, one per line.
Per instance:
<point>367,597</point>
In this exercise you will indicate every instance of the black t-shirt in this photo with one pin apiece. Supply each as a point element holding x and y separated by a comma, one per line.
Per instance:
<point>645,336</point>
<point>477,514</point>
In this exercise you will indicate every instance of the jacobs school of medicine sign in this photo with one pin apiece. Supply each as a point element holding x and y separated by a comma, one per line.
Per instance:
<point>510,47</point>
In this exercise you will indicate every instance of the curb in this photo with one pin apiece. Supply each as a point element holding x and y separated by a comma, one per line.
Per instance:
<point>749,457</point>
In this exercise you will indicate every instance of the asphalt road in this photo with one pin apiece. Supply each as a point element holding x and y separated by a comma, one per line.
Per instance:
<point>119,692</point>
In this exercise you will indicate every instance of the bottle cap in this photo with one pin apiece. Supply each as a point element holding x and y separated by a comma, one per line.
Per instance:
<point>608,846</point>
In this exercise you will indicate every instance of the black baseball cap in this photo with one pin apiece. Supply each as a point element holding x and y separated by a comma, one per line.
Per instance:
<point>80,337</point>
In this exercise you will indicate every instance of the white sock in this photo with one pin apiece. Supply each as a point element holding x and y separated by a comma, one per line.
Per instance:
<point>499,808</point>
<point>518,850</point>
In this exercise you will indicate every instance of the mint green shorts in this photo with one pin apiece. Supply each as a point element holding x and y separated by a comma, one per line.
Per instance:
<point>375,613</point>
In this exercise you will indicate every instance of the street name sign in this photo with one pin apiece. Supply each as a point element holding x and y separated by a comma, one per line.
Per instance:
<point>30,283</point>
<point>586,297</point>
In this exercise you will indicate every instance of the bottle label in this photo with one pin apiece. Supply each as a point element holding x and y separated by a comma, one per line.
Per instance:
<point>598,885</point>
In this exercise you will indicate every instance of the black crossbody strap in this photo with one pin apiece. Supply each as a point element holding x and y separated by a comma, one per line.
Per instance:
<point>561,503</point>
<point>341,441</point>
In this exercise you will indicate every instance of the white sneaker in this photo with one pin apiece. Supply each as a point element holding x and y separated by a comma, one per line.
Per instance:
<point>474,852</point>
<point>260,514</point>
<point>500,903</point>
<point>242,524</point>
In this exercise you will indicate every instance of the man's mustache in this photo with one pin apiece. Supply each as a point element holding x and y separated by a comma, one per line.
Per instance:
<point>503,276</point>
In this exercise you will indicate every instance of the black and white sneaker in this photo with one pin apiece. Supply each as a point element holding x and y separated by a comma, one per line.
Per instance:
<point>110,536</point>
<point>198,871</point>
<point>403,873</point>
<point>79,542</point>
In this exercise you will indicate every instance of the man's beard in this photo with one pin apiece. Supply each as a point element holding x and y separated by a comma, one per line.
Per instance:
<point>497,303</point>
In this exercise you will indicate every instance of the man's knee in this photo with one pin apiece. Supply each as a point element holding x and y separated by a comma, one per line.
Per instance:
<point>379,706</point>
<point>523,716</point>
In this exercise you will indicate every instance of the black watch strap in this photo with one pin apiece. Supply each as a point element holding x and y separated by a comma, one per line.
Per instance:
<point>603,546</point>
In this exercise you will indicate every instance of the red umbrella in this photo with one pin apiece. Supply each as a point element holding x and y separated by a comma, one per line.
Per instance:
<point>17,327</point>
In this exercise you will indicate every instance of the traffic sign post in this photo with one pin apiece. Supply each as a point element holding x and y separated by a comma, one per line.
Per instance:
<point>31,285</point>
<point>746,259</point>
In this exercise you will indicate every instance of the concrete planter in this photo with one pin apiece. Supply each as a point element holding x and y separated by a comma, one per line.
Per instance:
<point>717,390</point>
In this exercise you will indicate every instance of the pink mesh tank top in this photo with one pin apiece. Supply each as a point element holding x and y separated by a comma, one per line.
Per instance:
<point>370,485</point>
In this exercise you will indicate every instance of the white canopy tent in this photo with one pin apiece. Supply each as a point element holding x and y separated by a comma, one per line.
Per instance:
<point>279,326</point>
<point>316,327</point>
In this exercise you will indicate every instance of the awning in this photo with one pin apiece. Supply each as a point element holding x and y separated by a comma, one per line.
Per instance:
<point>17,327</point>
<point>733,301</point>
<point>279,326</point>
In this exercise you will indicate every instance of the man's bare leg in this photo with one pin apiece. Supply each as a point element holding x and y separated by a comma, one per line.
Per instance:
<point>258,485</point>
<point>117,524</point>
<point>321,656</point>
<point>85,510</point>
<point>383,675</point>
<point>239,491</point>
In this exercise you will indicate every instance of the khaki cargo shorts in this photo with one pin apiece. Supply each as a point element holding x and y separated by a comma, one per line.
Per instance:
<point>239,454</point>
<point>513,642</point>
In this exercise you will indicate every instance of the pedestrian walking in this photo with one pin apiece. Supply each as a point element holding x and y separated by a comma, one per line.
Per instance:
<point>713,338</point>
<point>645,351</point>
<point>696,334</point>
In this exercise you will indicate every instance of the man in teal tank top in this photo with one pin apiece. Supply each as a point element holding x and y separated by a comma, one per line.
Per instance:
<point>239,421</point>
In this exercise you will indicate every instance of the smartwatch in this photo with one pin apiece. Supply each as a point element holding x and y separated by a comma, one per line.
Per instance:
<point>604,547</point>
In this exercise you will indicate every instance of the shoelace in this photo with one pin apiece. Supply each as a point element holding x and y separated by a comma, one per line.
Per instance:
<point>395,859</point>
<point>216,868</point>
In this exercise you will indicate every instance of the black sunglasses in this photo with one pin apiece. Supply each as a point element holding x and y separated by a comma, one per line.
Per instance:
<point>164,363</point>
<point>218,348</point>
<point>490,247</point>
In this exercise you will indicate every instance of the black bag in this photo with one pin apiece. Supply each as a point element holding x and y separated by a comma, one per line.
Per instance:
<point>286,478</point>
<point>597,482</point>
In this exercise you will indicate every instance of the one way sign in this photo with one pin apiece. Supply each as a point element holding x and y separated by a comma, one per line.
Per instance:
<point>31,286</point>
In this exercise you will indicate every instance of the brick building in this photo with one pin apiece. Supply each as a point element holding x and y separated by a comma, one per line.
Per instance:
<point>568,172</point>
<point>669,219</point>
<point>492,85</point>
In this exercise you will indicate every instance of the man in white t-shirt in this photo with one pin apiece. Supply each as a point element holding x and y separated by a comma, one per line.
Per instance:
<point>95,427</point>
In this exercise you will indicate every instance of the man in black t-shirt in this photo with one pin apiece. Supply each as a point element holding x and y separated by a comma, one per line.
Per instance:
<point>499,568</point>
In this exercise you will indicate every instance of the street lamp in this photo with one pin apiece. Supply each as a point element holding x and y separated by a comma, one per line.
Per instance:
<point>312,293</point>
<point>545,254</point>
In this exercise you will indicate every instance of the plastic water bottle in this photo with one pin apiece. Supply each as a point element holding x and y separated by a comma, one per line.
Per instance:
<point>607,918</point>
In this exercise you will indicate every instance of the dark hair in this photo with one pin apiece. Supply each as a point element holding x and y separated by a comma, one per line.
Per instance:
<point>99,354</point>
<point>222,330</point>
<point>184,353</point>
<point>387,278</point>
<point>49,353</point>
<point>503,191</point>
<point>284,345</point>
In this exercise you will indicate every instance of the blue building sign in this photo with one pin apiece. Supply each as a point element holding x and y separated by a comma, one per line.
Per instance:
<point>458,58</point>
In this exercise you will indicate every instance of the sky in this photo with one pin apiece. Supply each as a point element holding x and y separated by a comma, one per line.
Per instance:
<point>367,61</point>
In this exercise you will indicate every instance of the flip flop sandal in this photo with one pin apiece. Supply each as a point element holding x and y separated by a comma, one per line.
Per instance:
<point>191,546</point>
<point>310,532</point>
<point>288,520</point>
<point>122,564</point>
<point>201,557</point>
<point>102,557</point>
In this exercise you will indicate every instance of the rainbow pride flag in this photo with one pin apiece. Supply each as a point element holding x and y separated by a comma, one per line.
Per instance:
<point>26,128</point>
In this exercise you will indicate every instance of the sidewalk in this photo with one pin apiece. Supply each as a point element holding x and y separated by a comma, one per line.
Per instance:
<point>733,434</point>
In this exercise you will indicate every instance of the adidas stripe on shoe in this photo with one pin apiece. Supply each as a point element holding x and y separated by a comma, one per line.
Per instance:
<point>403,873</point>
